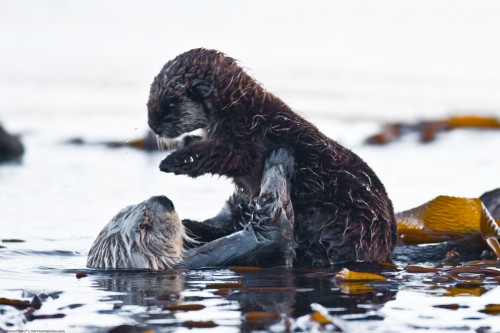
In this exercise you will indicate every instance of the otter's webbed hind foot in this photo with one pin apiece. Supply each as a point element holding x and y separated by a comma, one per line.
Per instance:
<point>273,215</point>
<point>267,239</point>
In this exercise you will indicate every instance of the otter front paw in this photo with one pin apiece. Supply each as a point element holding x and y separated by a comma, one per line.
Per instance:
<point>179,163</point>
<point>167,166</point>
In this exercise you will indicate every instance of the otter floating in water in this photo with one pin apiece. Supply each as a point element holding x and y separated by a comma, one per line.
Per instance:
<point>150,235</point>
<point>341,209</point>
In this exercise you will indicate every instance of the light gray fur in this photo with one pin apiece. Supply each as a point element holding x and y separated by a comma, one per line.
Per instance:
<point>143,236</point>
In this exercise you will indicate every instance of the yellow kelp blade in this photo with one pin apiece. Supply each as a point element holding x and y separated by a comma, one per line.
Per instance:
<point>448,218</point>
<point>348,275</point>
<point>428,236</point>
<point>444,213</point>
<point>472,121</point>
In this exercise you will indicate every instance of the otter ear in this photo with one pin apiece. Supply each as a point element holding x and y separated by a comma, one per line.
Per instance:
<point>201,88</point>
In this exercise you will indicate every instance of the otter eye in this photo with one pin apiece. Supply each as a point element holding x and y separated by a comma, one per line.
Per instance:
<point>170,104</point>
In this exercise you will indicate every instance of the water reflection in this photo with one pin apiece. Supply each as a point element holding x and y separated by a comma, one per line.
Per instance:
<point>142,288</point>
<point>245,300</point>
<point>250,300</point>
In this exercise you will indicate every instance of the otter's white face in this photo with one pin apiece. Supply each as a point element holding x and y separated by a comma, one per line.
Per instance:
<point>147,235</point>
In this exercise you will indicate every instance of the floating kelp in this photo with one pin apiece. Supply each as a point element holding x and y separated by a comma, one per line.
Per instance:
<point>487,271</point>
<point>439,217</point>
<point>199,324</point>
<point>453,306</point>
<point>80,274</point>
<point>420,269</point>
<point>184,307</point>
<point>428,130</point>
<point>484,263</point>
<point>447,218</point>
<point>30,308</point>
<point>321,316</point>
<point>18,304</point>
<point>260,315</point>
<point>348,275</point>
<point>491,309</point>
<point>31,316</point>
<point>244,268</point>
<point>461,291</point>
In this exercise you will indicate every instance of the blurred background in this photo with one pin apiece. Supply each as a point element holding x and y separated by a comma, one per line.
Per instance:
<point>83,69</point>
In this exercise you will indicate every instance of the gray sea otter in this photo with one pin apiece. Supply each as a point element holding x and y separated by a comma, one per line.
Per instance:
<point>150,235</point>
<point>341,209</point>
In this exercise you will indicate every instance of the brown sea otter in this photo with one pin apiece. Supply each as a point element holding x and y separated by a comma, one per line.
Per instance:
<point>342,211</point>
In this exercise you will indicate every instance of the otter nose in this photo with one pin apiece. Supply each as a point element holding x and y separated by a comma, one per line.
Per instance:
<point>163,201</point>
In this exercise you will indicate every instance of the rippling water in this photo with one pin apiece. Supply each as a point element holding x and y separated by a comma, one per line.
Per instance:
<point>82,69</point>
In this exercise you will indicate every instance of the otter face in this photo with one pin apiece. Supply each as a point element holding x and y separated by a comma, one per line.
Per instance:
<point>182,94</point>
<point>170,115</point>
<point>147,235</point>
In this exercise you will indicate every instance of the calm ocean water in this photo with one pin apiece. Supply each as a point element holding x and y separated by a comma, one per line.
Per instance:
<point>83,69</point>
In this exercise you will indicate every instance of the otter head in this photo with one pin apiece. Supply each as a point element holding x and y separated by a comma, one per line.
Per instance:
<point>148,235</point>
<point>191,87</point>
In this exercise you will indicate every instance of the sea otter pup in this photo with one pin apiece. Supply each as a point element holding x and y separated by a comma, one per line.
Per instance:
<point>150,235</point>
<point>342,211</point>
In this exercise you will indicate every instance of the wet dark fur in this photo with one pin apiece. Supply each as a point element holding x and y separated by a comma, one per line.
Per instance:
<point>342,211</point>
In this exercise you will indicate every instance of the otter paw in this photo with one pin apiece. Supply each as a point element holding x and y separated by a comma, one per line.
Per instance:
<point>166,165</point>
<point>180,163</point>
